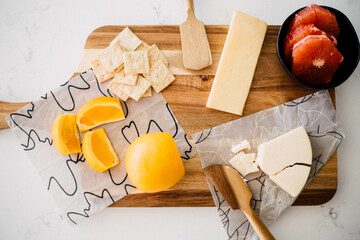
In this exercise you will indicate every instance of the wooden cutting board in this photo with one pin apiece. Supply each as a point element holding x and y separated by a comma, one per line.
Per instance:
<point>187,97</point>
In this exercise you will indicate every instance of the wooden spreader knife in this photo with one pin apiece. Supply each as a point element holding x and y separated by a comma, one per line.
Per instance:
<point>237,194</point>
<point>194,43</point>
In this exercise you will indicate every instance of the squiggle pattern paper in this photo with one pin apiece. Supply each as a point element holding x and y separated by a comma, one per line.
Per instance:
<point>78,190</point>
<point>315,112</point>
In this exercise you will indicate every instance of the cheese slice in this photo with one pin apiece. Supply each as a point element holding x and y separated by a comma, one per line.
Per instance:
<point>237,64</point>
<point>244,163</point>
<point>287,160</point>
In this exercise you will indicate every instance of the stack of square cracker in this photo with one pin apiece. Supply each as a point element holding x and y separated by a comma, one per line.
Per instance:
<point>133,66</point>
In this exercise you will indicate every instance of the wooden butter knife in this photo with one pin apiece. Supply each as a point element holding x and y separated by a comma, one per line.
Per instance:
<point>194,43</point>
<point>237,194</point>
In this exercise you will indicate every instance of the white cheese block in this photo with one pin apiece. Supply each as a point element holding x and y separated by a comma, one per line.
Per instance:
<point>287,160</point>
<point>237,64</point>
<point>241,146</point>
<point>244,163</point>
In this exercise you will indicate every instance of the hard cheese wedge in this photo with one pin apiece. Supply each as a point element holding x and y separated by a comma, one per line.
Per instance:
<point>287,160</point>
<point>237,64</point>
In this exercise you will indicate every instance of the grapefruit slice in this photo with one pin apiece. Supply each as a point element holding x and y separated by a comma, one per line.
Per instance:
<point>319,16</point>
<point>297,35</point>
<point>326,20</point>
<point>305,16</point>
<point>315,60</point>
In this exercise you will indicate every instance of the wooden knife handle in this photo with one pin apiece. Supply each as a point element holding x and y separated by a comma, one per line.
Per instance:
<point>260,228</point>
<point>189,7</point>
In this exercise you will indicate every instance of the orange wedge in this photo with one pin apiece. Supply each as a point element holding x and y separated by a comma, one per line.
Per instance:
<point>98,150</point>
<point>65,134</point>
<point>153,162</point>
<point>99,111</point>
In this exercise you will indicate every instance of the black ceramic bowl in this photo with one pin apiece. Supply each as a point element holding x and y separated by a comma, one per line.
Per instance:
<point>348,46</point>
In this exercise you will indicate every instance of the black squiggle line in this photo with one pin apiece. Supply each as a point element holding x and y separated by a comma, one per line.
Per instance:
<point>173,117</point>
<point>127,109</point>
<point>114,181</point>
<point>149,126</point>
<point>79,158</point>
<point>71,96</point>
<point>28,134</point>
<point>189,151</point>
<point>247,231</point>
<point>295,104</point>
<point>98,85</point>
<point>317,161</point>
<point>44,97</point>
<point>225,214</point>
<point>109,92</point>
<point>65,83</point>
<point>38,137</point>
<point>86,210</point>
<point>337,135</point>
<point>128,126</point>
<point>226,223</point>
<point>256,179</point>
<point>201,140</point>
<point>126,186</point>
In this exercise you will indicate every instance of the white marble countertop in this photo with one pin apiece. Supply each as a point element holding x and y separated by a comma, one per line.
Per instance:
<point>40,37</point>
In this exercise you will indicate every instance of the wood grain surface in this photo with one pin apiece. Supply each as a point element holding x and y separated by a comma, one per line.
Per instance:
<point>187,98</point>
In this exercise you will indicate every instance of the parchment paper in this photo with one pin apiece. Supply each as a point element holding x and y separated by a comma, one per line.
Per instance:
<point>77,189</point>
<point>315,112</point>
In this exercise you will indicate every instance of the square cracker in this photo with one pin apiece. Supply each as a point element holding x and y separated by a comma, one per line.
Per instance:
<point>143,46</point>
<point>100,71</point>
<point>135,92</point>
<point>112,57</point>
<point>148,93</point>
<point>127,40</point>
<point>159,76</point>
<point>129,79</point>
<point>155,55</point>
<point>136,62</point>
<point>115,88</point>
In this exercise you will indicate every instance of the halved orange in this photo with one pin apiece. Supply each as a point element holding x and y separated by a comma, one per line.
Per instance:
<point>65,134</point>
<point>99,111</point>
<point>98,150</point>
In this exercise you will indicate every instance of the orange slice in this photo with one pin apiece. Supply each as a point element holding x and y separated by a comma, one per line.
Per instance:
<point>65,134</point>
<point>98,150</point>
<point>153,162</point>
<point>99,111</point>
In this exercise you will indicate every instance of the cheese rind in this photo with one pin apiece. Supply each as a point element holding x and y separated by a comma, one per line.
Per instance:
<point>287,160</point>
<point>237,64</point>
